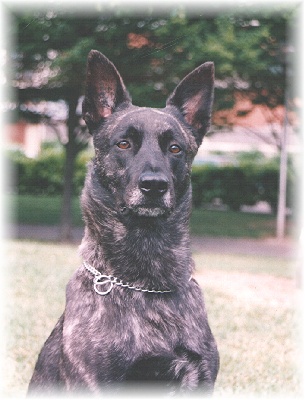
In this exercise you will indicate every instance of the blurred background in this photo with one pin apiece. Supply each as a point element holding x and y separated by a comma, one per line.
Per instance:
<point>246,178</point>
<point>256,113</point>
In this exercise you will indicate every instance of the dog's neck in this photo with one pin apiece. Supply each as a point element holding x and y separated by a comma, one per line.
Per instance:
<point>147,252</point>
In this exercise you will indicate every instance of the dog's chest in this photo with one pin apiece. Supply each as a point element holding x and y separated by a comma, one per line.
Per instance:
<point>104,336</point>
<point>144,326</point>
<point>132,325</point>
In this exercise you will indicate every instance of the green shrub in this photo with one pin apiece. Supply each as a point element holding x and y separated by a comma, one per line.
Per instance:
<point>231,184</point>
<point>241,185</point>
<point>44,174</point>
<point>206,184</point>
<point>268,183</point>
<point>81,163</point>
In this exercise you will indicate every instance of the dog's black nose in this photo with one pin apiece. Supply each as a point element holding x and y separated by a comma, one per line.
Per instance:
<point>153,184</point>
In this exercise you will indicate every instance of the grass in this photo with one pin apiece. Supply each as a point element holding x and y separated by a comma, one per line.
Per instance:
<point>256,339</point>
<point>45,210</point>
<point>232,224</point>
<point>277,267</point>
<point>41,210</point>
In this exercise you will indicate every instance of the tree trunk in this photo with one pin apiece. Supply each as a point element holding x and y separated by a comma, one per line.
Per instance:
<point>66,210</point>
<point>71,149</point>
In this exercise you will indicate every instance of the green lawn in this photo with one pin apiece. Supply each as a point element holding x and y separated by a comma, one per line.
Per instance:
<point>45,210</point>
<point>251,307</point>
<point>41,210</point>
<point>232,224</point>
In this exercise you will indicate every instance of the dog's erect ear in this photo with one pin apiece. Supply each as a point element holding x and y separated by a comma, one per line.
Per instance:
<point>194,98</point>
<point>105,90</point>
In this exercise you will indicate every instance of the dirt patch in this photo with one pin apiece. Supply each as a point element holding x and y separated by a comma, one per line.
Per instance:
<point>251,288</point>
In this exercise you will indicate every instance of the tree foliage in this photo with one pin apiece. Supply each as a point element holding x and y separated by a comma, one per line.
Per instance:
<point>155,50</point>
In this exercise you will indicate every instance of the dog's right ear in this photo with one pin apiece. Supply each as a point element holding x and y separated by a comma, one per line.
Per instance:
<point>105,90</point>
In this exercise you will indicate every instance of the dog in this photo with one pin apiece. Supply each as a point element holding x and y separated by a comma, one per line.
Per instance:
<point>134,313</point>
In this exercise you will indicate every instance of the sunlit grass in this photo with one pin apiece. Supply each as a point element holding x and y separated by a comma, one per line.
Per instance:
<point>257,341</point>
<point>257,345</point>
<point>36,280</point>
<point>245,263</point>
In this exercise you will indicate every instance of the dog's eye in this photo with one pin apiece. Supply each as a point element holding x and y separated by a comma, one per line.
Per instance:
<point>123,144</point>
<point>175,149</point>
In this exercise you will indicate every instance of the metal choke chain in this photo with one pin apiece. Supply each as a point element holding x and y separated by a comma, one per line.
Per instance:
<point>108,281</point>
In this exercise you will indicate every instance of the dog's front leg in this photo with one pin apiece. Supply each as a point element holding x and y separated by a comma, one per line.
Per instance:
<point>46,377</point>
<point>192,373</point>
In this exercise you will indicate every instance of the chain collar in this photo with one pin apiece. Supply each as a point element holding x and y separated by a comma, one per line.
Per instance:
<point>107,283</point>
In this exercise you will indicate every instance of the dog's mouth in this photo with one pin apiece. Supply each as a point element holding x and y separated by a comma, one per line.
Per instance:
<point>142,211</point>
<point>145,211</point>
<point>149,211</point>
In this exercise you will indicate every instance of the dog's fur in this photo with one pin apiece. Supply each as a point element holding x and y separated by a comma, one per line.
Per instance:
<point>136,205</point>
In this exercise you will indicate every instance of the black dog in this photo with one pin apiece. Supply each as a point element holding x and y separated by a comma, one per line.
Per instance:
<point>133,311</point>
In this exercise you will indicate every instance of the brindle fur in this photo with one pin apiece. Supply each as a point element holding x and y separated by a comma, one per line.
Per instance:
<point>138,235</point>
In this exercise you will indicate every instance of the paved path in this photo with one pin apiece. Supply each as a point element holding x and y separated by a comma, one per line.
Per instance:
<point>266,247</point>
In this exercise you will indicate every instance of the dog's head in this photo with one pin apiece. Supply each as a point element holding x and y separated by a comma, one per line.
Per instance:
<point>144,155</point>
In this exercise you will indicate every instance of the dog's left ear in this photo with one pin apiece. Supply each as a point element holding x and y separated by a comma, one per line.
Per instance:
<point>193,97</point>
<point>105,89</point>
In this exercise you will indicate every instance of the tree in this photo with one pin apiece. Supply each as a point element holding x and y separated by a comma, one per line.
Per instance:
<point>153,51</point>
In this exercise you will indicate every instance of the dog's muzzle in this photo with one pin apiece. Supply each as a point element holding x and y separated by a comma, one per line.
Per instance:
<point>150,196</point>
<point>150,199</point>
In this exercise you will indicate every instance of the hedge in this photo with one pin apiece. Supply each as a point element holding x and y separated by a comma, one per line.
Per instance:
<point>230,184</point>
<point>233,186</point>
<point>44,174</point>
